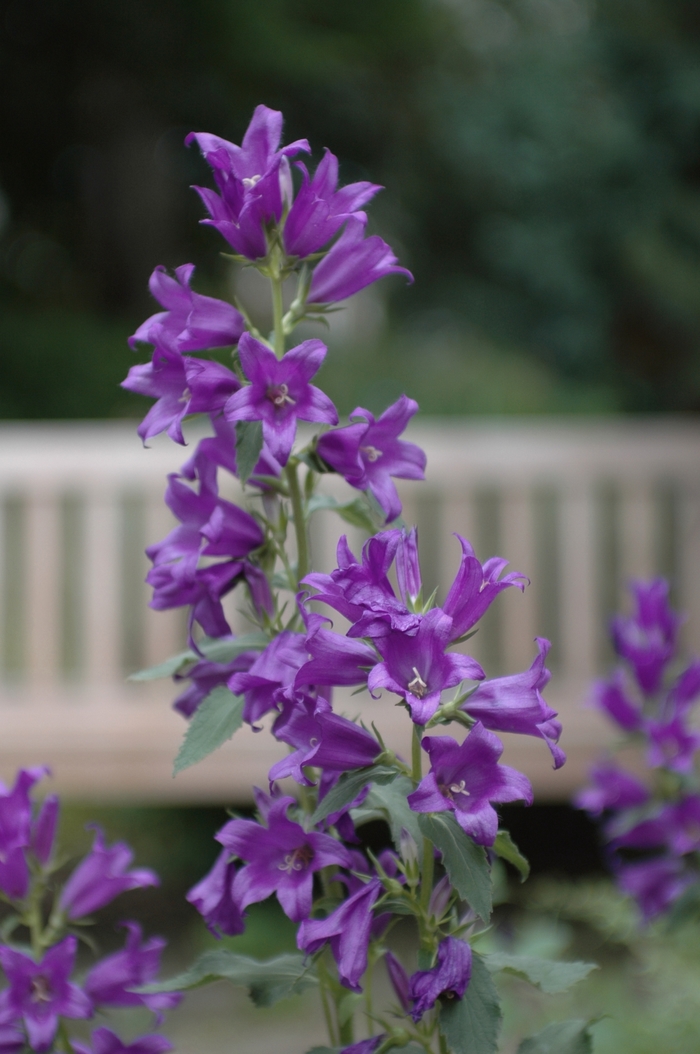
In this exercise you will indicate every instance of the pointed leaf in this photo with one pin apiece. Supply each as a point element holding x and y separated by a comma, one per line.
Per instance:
<point>215,720</point>
<point>549,976</point>
<point>465,862</point>
<point>266,981</point>
<point>389,801</point>
<point>357,514</point>
<point>505,847</point>
<point>561,1037</point>
<point>249,444</point>
<point>471,1024</point>
<point>222,649</point>
<point>349,786</point>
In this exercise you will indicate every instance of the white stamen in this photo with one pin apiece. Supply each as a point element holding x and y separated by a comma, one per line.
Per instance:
<point>371,452</point>
<point>417,686</point>
<point>299,860</point>
<point>250,181</point>
<point>279,395</point>
<point>458,788</point>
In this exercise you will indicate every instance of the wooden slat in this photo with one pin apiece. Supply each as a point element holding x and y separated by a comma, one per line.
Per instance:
<point>43,583</point>
<point>578,582</point>
<point>637,533</point>
<point>689,563</point>
<point>518,609</point>
<point>103,627</point>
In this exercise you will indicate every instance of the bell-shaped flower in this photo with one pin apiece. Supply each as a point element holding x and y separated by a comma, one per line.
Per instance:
<point>671,744</point>
<point>15,831</point>
<point>12,1039</point>
<point>190,322</point>
<point>220,451</point>
<point>275,668</point>
<point>253,179</point>
<point>353,263</point>
<point>448,978</point>
<point>647,640</point>
<point>655,884</point>
<point>686,689</point>
<point>611,697</point>
<point>183,584</point>
<point>335,660</point>
<point>231,531</point>
<point>399,981</point>
<point>613,788</point>
<point>113,980</point>
<point>475,588</point>
<point>193,509</point>
<point>319,209</point>
<point>40,993</point>
<point>515,704</point>
<point>418,667</point>
<point>365,1046</point>
<point>279,392</point>
<point>207,675</point>
<point>368,453</point>
<point>466,778</point>
<point>281,858</point>
<point>348,930</point>
<point>44,829</point>
<point>101,876</point>
<point>104,1041</point>
<point>408,573</point>
<point>213,900</point>
<point>322,739</point>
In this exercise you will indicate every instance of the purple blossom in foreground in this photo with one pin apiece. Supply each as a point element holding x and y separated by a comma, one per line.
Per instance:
<point>12,1039</point>
<point>104,1041</point>
<point>274,670</point>
<point>418,668</point>
<point>399,981</point>
<point>335,660</point>
<point>322,739</point>
<point>368,453</point>
<point>613,788</point>
<point>15,831</point>
<point>319,210</point>
<point>347,930</point>
<point>655,884</point>
<point>282,859</point>
<point>190,322</point>
<point>101,877</point>
<point>515,704</point>
<point>353,263</point>
<point>449,977</point>
<point>365,1046</point>
<point>280,393</point>
<point>213,900</point>
<point>647,640</point>
<point>466,778</point>
<point>219,450</point>
<point>113,980</point>
<point>253,179</point>
<point>40,993</point>
<point>475,588</point>
<point>205,676</point>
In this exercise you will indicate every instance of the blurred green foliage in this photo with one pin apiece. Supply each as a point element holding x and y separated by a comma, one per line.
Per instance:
<point>541,159</point>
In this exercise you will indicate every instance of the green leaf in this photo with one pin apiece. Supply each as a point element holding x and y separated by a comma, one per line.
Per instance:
<point>549,976</point>
<point>224,649</point>
<point>266,981</point>
<point>561,1037</point>
<point>324,1050</point>
<point>505,847</point>
<point>465,862</point>
<point>349,786</point>
<point>389,800</point>
<point>685,909</point>
<point>471,1024</point>
<point>215,720</point>
<point>249,443</point>
<point>357,514</point>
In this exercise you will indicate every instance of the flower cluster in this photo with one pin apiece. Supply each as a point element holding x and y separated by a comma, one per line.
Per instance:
<point>41,995</point>
<point>652,827</point>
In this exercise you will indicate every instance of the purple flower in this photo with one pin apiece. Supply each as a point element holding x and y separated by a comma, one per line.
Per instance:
<point>274,669</point>
<point>190,322</point>
<point>44,829</point>
<point>253,179</point>
<point>319,209</point>
<point>655,884</point>
<point>12,1039</point>
<point>408,567</point>
<point>15,831</point>
<point>686,689</point>
<point>348,930</point>
<point>611,697</point>
<point>467,779</point>
<point>335,660</point>
<point>418,669</point>
<point>205,676</point>
<point>475,588</point>
<point>322,739</point>
<point>280,393</point>
<point>612,789</point>
<point>40,993</point>
<point>648,640</point>
<point>101,877</point>
<point>369,453</point>
<point>113,980</point>
<point>449,977</point>
<point>104,1041</point>
<point>399,981</point>
<point>282,859</point>
<point>365,1046</point>
<point>353,263</point>
<point>178,584</point>
<point>683,832</point>
<point>213,900</point>
<point>671,744</point>
<point>515,704</point>
<point>220,450</point>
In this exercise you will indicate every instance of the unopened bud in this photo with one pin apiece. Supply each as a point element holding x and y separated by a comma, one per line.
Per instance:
<point>440,898</point>
<point>399,981</point>
<point>408,849</point>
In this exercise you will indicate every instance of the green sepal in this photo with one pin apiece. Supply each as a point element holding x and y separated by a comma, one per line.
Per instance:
<point>249,444</point>
<point>546,974</point>
<point>470,1025</point>
<point>215,649</point>
<point>465,862</point>
<point>267,982</point>
<point>505,847</point>
<point>560,1037</point>
<point>214,721</point>
<point>349,786</point>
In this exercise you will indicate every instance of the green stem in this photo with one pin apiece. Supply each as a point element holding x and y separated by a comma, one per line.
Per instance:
<point>278,315</point>
<point>368,993</point>
<point>426,884</point>
<point>416,755</point>
<point>323,988</point>
<point>303,565</point>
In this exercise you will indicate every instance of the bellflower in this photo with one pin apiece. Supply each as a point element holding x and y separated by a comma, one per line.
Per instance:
<point>180,584</point>
<point>335,660</point>
<point>15,831</point>
<point>475,588</point>
<point>41,992</point>
<point>12,1039</point>
<point>449,977</point>
<point>365,1046</point>
<point>322,739</point>
<point>672,744</point>
<point>205,676</point>
<point>368,453</point>
<point>193,509</point>
<point>648,639</point>
<point>281,858</point>
<point>353,263</point>
<point>113,980</point>
<point>466,778</point>
<point>655,884</point>
<point>319,210</point>
<point>347,930</point>
<point>399,981</point>
<point>219,450</point>
<point>253,179</point>
<point>275,668</point>
<point>190,322</point>
<point>213,900</point>
<point>611,697</point>
<point>515,704</point>
<point>44,829</point>
<point>613,788</point>
<point>101,877</point>
<point>418,668</point>
<point>279,393</point>
<point>686,689</point>
<point>408,566</point>
<point>104,1041</point>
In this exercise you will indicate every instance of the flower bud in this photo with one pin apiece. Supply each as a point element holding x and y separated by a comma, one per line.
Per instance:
<point>399,980</point>
<point>440,898</point>
<point>408,849</point>
<point>44,829</point>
